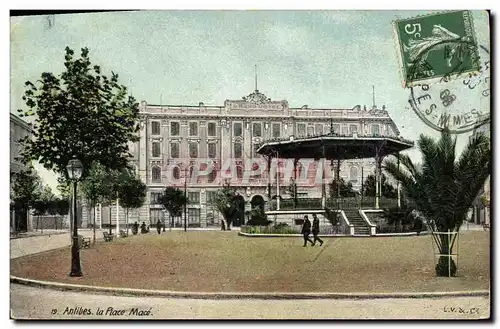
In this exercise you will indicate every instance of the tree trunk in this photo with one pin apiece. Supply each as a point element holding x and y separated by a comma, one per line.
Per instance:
<point>446,266</point>
<point>93,227</point>
<point>110,231</point>
<point>126,219</point>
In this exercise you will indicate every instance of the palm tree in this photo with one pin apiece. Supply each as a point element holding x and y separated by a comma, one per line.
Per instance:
<point>444,188</point>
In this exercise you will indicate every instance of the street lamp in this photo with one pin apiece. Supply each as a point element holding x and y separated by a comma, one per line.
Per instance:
<point>75,171</point>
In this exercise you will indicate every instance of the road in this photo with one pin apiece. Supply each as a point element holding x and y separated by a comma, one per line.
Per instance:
<point>35,244</point>
<point>38,303</point>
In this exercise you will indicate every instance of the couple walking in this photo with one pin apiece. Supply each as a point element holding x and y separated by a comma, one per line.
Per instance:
<point>306,230</point>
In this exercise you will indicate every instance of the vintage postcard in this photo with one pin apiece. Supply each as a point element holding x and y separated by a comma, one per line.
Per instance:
<point>250,164</point>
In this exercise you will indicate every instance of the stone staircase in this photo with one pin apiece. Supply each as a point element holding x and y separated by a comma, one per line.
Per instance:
<point>360,226</point>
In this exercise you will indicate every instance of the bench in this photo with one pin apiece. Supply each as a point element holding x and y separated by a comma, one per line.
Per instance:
<point>486,226</point>
<point>107,237</point>
<point>123,234</point>
<point>83,242</point>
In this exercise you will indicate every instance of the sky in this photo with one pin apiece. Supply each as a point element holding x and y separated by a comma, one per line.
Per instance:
<point>325,59</point>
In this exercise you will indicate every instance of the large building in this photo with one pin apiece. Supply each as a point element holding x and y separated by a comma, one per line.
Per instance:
<point>174,137</point>
<point>18,130</point>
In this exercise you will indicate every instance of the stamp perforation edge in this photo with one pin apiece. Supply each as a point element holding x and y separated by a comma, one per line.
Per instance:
<point>437,79</point>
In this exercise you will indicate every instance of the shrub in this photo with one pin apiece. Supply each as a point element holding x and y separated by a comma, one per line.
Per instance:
<point>258,218</point>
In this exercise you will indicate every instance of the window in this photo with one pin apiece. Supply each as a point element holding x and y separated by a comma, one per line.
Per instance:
<point>193,129</point>
<point>353,175</point>
<point>156,149</point>
<point>193,150</point>
<point>301,129</point>
<point>310,131</point>
<point>155,128</point>
<point>276,130</point>
<point>155,215</point>
<point>345,132</point>
<point>375,130</point>
<point>212,150</point>
<point>174,128</point>
<point>176,172</point>
<point>174,150</point>
<point>211,129</point>
<point>336,128</point>
<point>156,174</point>
<point>237,150</point>
<point>354,129</point>
<point>211,195</point>
<point>194,217</point>
<point>194,197</point>
<point>155,197</point>
<point>318,129</point>
<point>238,129</point>
<point>257,129</point>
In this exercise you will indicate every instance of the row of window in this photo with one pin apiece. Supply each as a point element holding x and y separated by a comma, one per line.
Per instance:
<point>193,150</point>
<point>159,215</point>
<point>302,129</point>
<point>193,197</point>
<point>176,173</point>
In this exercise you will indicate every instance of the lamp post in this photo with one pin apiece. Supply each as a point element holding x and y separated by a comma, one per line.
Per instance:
<point>75,170</point>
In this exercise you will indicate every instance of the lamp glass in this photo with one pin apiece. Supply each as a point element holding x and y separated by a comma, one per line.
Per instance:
<point>75,169</point>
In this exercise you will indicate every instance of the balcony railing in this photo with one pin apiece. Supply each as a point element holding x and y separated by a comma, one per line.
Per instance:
<point>334,203</point>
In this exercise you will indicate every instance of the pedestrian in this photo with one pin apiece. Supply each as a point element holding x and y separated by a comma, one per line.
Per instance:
<point>158,226</point>
<point>143,228</point>
<point>306,230</point>
<point>315,230</point>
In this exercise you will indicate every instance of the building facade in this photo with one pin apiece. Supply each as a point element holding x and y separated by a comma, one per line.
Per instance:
<point>174,137</point>
<point>18,130</point>
<point>213,141</point>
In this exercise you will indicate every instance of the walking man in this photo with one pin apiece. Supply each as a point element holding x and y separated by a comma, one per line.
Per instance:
<point>315,230</point>
<point>306,230</point>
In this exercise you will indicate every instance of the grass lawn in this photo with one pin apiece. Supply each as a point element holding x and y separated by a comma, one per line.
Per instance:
<point>224,261</point>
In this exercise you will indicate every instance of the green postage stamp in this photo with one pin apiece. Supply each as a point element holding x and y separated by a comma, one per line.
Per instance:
<point>435,46</point>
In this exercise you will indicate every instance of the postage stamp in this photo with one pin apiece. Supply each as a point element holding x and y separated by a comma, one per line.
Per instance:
<point>461,104</point>
<point>432,46</point>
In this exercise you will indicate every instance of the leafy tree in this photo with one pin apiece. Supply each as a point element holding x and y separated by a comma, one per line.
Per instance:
<point>62,206</point>
<point>227,202</point>
<point>42,205</point>
<point>95,188</point>
<point>444,188</point>
<point>25,190</point>
<point>388,190</point>
<point>64,188</point>
<point>79,113</point>
<point>346,189</point>
<point>173,200</point>
<point>52,209</point>
<point>131,192</point>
